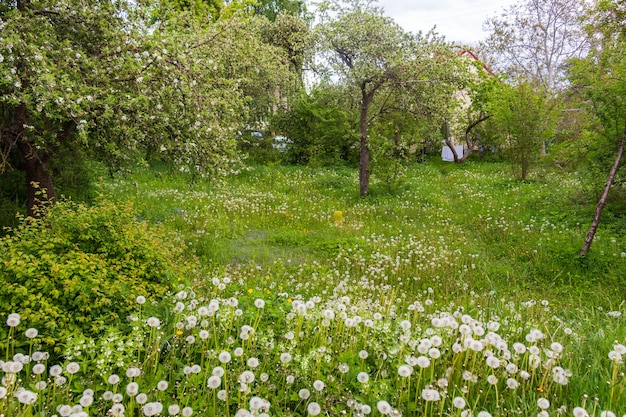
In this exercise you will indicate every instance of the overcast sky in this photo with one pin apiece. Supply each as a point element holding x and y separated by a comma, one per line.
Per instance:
<point>458,20</point>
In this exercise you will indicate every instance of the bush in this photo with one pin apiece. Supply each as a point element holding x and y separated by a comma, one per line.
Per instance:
<point>79,269</point>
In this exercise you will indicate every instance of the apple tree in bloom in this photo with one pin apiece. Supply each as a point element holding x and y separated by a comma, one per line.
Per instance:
<point>98,75</point>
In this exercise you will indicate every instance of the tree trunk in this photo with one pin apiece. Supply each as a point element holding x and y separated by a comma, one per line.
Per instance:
<point>468,140</point>
<point>449,142</point>
<point>41,190</point>
<point>364,158</point>
<point>609,182</point>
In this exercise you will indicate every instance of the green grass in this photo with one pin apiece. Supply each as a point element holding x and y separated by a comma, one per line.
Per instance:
<point>449,245</point>
<point>487,228</point>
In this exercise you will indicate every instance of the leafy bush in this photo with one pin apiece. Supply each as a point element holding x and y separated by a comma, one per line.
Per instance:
<point>80,268</point>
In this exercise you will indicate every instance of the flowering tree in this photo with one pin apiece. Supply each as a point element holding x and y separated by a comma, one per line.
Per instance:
<point>377,59</point>
<point>94,74</point>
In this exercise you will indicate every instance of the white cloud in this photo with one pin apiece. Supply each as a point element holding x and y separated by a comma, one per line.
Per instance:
<point>458,20</point>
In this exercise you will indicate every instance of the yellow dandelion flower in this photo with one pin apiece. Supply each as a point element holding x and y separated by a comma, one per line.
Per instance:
<point>250,290</point>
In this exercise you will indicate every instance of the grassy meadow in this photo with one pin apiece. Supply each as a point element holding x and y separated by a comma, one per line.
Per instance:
<point>458,292</point>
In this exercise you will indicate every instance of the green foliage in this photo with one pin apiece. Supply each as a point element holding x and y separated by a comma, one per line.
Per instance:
<point>525,117</point>
<point>273,9</point>
<point>89,75</point>
<point>320,127</point>
<point>79,268</point>
<point>599,84</point>
<point>260,148</point>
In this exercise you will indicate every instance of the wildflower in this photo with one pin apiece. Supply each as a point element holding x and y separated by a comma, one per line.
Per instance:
<point>615,356</point>
<point>363,377</point>
<point>423,362</point>
<point>511,368</point>
<point>86,400</point>
<point>117,398</point>
<point>430,395</point>
<point>133,372</point>
<point>218,371</point>
<point>117,410</point>
<point>221,395</point>
<point>162,385</point>
<point>64,409</point>
<point>107,395</point>
<point>41,385</point>
<point>72,368</point>
<point>259,303</point>
<point>26,397</point>
<point>152,409</point>
<point>12,367</point>
<point>55,370</point>
<point>253,362</point>
<point>3,392</point>
<point>304,393</point>
<point>492,379</point>
<point>476,345</point>
<point>132,389</point>
<point>204,335</point>
<point>459,402</point>
<point>190,339</point>
<point>318,385</point>
<point>580,412</point>
<point>173,409</point>
<point>187,412</point>
<point>256,403</point>
<point>285,357</point>
<point>543,403</point>
<point>314,408</point>
<point>290,379</point>
<point>483,414</point>
<point>224,357</point>
<point>512,383</point>
<point>405,371</point>
<point>214,382</point>
<point>363,354</point>
<point>113,379</point>
<point>383,407</point>
<point>246,377</point>
<point>13,320</point>
<point>153,322</point>
<point>556,347</point>
<point>140,299</point>
<point>493,362</point>
<point>38,369</point>
<point>31,333</point>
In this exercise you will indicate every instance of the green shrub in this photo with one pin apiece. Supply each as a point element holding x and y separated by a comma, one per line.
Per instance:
<point>79,269</point>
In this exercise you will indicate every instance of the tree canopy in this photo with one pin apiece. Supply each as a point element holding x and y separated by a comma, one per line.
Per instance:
<point>98,75</point>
